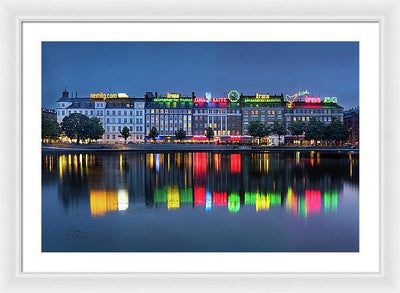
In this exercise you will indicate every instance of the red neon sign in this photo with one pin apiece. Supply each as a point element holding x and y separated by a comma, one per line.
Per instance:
<point>313,100</point>
<point>200,100</point>
<point>219,100</point>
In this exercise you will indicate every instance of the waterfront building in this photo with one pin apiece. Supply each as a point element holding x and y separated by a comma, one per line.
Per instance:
<point>222,114</point>
<point>49,114</point>
<point>352,121</point>
<point>168,113</point>
<point>265,108</point>
<point>121,112</point>
<point>115,111</point>
<point>303,108</point>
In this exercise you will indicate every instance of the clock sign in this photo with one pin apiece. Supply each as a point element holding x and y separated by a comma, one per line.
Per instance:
<point>233,96</point>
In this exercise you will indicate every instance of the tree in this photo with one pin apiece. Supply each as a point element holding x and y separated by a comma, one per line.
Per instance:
<point>153,133</point>
<point>94,128</point>
<point>125,133</point>
<point>50,129</point>
<point>209,132</point>
<point>315,130</point>
<point>75,126</point>
<point>297,128</point>
<point>180,134</point>
<point>336,131</point>
<point>258,130</point>
<point>278,129</point>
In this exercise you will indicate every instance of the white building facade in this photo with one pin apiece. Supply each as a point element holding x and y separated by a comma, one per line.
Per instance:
<point>114,113</point>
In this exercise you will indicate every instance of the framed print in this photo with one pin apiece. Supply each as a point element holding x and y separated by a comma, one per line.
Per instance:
<point>203,150</point>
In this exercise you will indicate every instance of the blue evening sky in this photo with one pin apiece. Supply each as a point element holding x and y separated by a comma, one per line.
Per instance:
<point>323,68</point>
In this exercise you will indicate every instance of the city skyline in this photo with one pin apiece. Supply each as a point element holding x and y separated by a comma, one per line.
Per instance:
<point>216,67</point>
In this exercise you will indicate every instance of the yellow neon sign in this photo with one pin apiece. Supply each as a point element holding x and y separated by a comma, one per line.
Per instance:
<point>173,96</point>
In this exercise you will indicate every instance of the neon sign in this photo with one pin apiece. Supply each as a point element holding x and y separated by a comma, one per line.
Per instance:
<point>262,97</point>
<point>219,100</point>
<point>313,100</point>
<point>330,100</point>
<point>305,92</point>
<point>290,105</point>
<point>172,100</point>
<point>173,96</point>
<point>199,100</point>
<point>234,96</point>
<point>291,98</point>
<point>208,96</point>
<point>103,96</point>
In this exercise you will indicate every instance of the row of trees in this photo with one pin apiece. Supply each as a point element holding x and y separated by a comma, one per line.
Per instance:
<point>259,130</point>
<point>180,134</point>
<point>75,126</point>
<point>316,130</point>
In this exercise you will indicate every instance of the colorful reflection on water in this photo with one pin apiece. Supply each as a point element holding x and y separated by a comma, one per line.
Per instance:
<point>297,185</point>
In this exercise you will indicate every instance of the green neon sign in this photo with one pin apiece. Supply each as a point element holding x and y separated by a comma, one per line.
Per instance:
<point>261,100</point>
<point>330,100</point>
<point>234,96</point>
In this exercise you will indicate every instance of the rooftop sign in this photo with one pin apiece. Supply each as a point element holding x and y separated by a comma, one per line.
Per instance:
<point>233,96</point>
<point>104,96</point>
<point>262,99</point>
<point>173,96</point>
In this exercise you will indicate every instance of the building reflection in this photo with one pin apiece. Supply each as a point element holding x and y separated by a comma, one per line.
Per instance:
<point>300,184</point>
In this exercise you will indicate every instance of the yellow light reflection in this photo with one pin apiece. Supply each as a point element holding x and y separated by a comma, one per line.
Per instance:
<point>173,197</point>
<point>120,162</point>
<point>102,201</point>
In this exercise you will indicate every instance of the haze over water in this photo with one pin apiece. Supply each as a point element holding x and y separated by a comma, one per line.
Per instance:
<point>200,202</point>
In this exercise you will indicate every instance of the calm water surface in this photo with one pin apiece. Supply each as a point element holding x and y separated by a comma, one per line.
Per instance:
<point>202,201</point>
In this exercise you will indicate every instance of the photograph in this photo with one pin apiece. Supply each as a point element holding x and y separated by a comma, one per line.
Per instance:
<point>200,146</point>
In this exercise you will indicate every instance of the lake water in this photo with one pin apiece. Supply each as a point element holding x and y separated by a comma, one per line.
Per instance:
<point>200,202</point>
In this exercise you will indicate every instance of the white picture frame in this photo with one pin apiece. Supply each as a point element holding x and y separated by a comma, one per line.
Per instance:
<point>385,13</point>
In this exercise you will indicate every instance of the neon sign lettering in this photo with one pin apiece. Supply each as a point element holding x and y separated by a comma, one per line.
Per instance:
<point>330,100</point>
<point>103,96</point>
<point>305,92</point>
<point>262,97</point>
<point>173,96</point>
<point>199,100</point>
<point>313,100</point>
<point>219,100</point>
<point>172,100</point>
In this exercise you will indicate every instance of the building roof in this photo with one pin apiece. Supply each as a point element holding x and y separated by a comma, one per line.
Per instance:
<point>304,105</point>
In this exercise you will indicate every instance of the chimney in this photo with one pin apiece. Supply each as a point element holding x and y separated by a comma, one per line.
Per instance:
<point>65,94</point>
<point>193,96</point>
<point>76,95</point>
<point>156,94</point>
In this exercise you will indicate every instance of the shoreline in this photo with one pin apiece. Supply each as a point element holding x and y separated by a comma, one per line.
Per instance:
<point>191,148</point>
